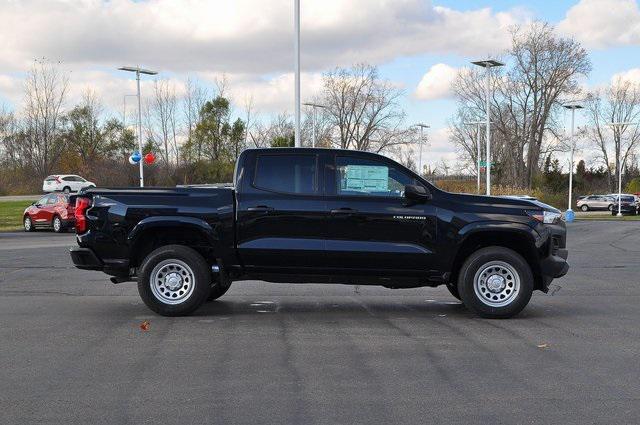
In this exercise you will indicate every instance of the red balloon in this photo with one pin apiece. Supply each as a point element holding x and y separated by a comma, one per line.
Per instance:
<point>149,158</point>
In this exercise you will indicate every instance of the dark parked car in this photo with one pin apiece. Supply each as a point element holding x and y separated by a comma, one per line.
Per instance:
<point>628,205</point>
<point>325,216</point>
<point>54,211</point>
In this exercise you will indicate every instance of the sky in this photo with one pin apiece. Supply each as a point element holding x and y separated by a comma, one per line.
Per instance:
<point>419,45</point>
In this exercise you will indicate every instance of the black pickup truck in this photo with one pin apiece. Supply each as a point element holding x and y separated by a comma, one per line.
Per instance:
<point>320,216</point>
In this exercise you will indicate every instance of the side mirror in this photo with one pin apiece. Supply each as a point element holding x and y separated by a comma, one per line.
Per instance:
<point>416,193</point>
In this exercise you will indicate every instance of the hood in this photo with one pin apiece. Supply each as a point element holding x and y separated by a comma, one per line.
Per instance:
<point>506,201</point>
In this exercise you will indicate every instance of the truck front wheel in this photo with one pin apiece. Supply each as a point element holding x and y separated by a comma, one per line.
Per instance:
<point>174,280</point>
<point>495,283</point>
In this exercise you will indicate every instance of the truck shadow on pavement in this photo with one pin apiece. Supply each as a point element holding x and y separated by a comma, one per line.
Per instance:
<point>355,310</point>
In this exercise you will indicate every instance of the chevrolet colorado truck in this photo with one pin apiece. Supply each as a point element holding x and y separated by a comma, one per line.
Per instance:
<point>320,216</point>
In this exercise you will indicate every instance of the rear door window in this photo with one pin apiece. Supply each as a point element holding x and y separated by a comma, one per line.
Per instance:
<point>287,173</point>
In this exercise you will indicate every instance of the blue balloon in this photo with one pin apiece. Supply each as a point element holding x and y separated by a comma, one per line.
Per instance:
<point>136,157</point>
<point>569,216</point>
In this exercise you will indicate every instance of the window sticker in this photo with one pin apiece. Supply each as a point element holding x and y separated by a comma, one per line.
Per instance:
<point>366,178</point>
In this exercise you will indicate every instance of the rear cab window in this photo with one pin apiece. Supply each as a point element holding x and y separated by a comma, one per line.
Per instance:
<point>287,173</point>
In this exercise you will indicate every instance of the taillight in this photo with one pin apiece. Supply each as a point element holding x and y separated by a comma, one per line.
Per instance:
<point>82,204</point>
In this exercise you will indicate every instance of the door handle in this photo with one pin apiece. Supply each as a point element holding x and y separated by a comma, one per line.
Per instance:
<point>344,211</point>
<point>260,208</point>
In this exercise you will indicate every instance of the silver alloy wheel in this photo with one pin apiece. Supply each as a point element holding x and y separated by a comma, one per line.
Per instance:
<point>172,281</point>
<point>496,283</point>
<point>27,223</point>
<point>57,224</point>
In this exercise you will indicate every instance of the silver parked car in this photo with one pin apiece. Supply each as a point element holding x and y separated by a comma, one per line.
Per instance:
<point>596,202</point>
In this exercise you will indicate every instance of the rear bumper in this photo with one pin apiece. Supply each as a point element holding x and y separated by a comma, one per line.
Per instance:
<point>85,259</point>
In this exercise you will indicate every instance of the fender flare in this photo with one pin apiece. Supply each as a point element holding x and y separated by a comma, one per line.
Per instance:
<point>496,226</point>
<point>160,222</point>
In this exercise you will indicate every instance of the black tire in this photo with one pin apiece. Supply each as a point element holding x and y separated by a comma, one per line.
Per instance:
<point>503,262</point>
<point>30,227</point>
<point>57,227</point>
<point>217,290</point>
<point>585,208</point>
<point>453,289</point>
<point>610,207</point>
<point>66,189</point>
<point>193,287</point>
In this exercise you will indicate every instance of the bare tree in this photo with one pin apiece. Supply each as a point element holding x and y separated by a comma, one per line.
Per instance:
<point>248,108</point>
<point>526,102</point>
<point>164,121</point>
<point>618,103</point>
<point>46,88</point>
<point>11,149</point>
<point>194,99</point>
<point>82,133</point>
<point>364,109</point>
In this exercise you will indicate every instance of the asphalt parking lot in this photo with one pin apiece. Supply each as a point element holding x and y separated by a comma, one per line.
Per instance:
<point>72,350</point>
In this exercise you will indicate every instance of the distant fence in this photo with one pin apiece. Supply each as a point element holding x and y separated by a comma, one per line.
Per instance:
<point>458,177</point>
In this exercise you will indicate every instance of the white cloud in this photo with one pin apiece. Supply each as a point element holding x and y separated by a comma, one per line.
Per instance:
<point>603,23</point>
<point>269,94</point>
<point>631,75</point>
<point>240,36</point>
<point>436,83</point>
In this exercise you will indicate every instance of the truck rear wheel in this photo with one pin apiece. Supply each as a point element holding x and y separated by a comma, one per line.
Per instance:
<point>495,283</point>
<point>174,280</point>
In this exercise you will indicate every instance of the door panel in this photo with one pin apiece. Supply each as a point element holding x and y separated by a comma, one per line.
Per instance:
<point>281,214</point>
<point>41,214</point>
<point>372,229</point>
<point>383,235</point>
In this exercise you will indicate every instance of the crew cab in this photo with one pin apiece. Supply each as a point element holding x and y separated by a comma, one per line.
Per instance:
<point>296,215</point>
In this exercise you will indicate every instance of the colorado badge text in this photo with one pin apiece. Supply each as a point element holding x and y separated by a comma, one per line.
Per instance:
<point>409,217</point>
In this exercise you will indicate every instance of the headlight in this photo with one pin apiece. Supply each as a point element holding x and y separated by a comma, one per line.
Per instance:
<point>546,217</point>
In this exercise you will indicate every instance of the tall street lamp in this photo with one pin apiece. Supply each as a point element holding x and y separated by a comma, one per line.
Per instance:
<point>479,155</point>
<point>296,46</point>
<point>572,107</point>
<point>620,162</point>
<point>488,64</point>
<point>139,71</point>
<point>124,109</point>
<point>422,127</point>
<point>313,120</point>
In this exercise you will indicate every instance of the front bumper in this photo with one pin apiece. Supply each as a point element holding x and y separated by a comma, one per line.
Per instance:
<point>553,261</point>
<point>555,265</point>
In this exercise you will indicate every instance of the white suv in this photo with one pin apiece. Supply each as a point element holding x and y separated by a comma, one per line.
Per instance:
<point>65,183</point>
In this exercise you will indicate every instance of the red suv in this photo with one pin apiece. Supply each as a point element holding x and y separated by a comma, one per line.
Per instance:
<point>52,212</point>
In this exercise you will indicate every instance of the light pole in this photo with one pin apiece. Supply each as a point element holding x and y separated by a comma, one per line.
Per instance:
<point>296,44</point>
<point>478,123</point>
<point>139,71</point>
<point>488,64</point>
<point>620,161</point>
<point>124,110</point>
<point>422,127</point>
<point>313,120</point>
<point>572,107</point>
